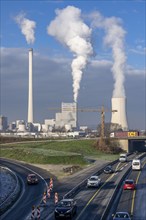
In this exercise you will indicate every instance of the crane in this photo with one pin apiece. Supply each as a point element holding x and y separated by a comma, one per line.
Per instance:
<point>102,110</point>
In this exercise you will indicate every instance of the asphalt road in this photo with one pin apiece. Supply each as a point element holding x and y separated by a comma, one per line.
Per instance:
<point>94,201</point>
<point>134,201</point>
<point>30,194</point>
<point>91,203</point>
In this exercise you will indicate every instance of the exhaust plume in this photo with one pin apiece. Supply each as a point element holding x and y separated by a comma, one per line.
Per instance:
<point>27,27</point>
<point>69,29</point>
<point>114,38</point>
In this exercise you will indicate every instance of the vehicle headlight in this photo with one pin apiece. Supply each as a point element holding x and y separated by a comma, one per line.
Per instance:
<point>56,211</point>
<point>68,211</point>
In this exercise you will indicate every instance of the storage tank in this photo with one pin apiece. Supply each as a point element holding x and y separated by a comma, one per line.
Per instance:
<point>120,116</point>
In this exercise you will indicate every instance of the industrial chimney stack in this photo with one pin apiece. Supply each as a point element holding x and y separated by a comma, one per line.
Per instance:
<point>119,117</point>
<point>30,89</point>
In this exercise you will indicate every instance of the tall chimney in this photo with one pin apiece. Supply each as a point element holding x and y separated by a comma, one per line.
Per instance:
<point>119,117</point>
<point>30,90</point>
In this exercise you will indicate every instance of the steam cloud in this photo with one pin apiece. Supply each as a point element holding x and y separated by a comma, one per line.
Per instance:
<point>114,38</point>
<point>27,27</point>
<point>70,30</point>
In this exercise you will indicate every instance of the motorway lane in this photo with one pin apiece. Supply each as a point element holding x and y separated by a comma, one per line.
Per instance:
<point>96,206</point>
<point>67,183</point>
<point>31,194</point>
<point>135,199</point>
<point>89,208</point>
<point>92,203</point>
<point>92,206</point>
<point>139,212</point>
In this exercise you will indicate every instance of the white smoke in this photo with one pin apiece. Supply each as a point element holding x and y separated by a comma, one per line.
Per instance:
<point>27,27</point>
<point>115,35</point>
<point>70,30</point>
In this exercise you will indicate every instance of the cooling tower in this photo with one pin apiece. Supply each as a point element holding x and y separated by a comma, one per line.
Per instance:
<point>30,90</point>
<point>119,117</point>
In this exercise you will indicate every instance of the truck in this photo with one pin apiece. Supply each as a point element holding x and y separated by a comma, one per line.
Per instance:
<point>124,134</point>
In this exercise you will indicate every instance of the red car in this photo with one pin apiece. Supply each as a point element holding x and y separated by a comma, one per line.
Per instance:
<point>129,184</point>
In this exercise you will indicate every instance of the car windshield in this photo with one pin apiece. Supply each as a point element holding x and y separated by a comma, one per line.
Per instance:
<point>93,178</point>
<point>32,176</point>
<point>121,215</point>
<point>108,168</point>
<point>135,163</point>
<point>129,182</point>
<point>65,204</point>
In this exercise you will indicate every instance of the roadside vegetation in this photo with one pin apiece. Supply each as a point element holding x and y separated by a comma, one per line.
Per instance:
<point>77,152</point>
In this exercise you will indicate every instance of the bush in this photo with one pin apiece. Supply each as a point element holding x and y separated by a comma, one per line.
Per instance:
<point>108,146</point>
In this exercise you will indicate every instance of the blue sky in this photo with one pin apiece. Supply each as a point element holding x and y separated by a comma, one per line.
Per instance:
<point>50,89</point>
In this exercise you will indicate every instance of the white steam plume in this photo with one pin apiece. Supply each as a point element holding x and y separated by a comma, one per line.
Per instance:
<point>70,30</point>
<point>114,38</point>
<point>27,27</point>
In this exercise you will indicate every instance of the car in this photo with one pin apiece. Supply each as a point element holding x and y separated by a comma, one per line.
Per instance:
<point>123,158</point>
<point>93,181</point>
<point>136,164</point>
<point>108,169</point>
<point>129,184</point>
<point>66,208</point>
<point>32,178</point>
<point>121,216</point>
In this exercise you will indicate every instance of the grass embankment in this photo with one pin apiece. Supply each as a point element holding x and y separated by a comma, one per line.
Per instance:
<point>54,152</point>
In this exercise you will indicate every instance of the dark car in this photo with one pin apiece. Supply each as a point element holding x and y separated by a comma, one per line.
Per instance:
<point>32,179</point>
<point>66,208</point>
<point>108,169</point>
<point>121,216</point>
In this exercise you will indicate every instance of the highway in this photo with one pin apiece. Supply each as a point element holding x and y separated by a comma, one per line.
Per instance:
<point>134,202</point>
<point>30,195</point>
<point>93,203</point>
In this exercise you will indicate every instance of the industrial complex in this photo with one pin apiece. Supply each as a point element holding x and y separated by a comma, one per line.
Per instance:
<point>65,119</point>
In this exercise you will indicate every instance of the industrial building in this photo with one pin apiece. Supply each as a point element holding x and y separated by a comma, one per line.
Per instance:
<point>3,123</point>
<point>68,116</point>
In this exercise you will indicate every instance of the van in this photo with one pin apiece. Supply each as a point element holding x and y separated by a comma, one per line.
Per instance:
<point>136,164</point>
<point>123,158</point>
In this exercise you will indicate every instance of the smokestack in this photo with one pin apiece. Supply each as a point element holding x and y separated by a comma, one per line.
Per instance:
<point>30,94</point>
<point>119,117</point>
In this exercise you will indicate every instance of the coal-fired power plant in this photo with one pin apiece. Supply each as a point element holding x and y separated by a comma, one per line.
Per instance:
<point>30,88</point>
<point>120,116</point>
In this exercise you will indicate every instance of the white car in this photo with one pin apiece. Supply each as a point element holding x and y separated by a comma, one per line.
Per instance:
<point>93,181</point>
<point>123,158</point>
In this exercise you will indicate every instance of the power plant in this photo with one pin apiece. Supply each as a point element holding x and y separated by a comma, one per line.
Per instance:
<point>30,89</point>
<point>120,116</point>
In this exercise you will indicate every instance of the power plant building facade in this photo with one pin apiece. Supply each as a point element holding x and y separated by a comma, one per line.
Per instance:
<point>68,116</point>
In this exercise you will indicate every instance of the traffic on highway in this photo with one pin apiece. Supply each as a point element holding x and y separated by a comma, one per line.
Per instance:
<point>111,192</point>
